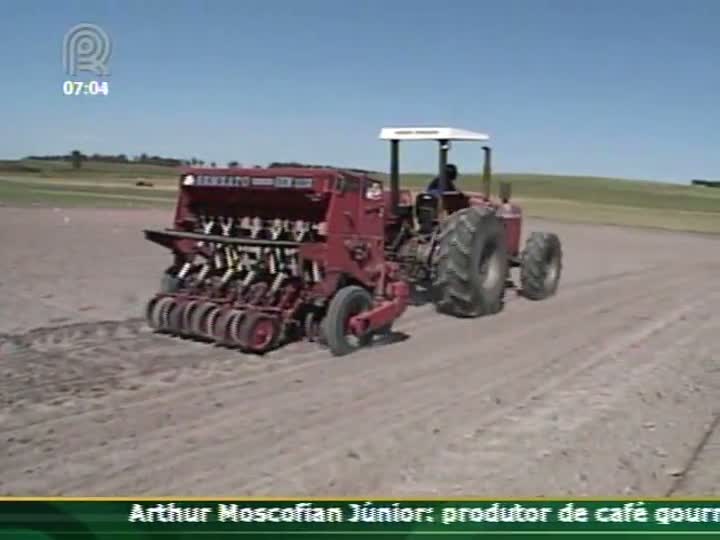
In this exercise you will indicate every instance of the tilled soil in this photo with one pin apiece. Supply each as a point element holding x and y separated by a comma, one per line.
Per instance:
<point>609,388</point>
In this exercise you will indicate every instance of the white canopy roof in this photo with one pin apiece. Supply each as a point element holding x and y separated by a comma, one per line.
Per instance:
<point>430,134</point>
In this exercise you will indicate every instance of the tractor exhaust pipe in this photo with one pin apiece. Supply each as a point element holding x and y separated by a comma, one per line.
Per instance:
<point>487,172</point>
<point>442,174</point>
<point>395,175</point>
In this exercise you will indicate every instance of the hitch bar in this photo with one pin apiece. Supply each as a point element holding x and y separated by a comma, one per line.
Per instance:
<point>159,236</point>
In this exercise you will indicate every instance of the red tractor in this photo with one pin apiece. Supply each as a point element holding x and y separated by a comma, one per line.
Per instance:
<point>267,255</point>
<point>462,247</point>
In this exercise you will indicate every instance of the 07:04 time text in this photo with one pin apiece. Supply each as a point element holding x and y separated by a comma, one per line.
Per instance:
<point>89,88</point>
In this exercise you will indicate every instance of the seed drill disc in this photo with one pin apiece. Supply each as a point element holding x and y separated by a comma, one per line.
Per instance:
<point>198,317</point>
<point>234,325</point>
<point>156,311</point>
<point>210,322</point>
<point>258,332</point>
<point>174,317</point>
<point>150,313</point>
<point>221,327</point>
<point>186,318</point>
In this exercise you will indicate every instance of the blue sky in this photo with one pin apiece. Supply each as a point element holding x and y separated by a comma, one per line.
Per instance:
<point>606,87</point>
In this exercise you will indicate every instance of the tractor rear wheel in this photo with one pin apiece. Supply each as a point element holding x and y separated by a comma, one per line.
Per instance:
<point>472,264</point>
<point>541,266</point>
<point>348,302</point>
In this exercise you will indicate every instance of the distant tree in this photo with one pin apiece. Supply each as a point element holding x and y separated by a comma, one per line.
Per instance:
<point>276,164</point>
<point>143,158</point>
<point>213,165</point>
<point>232,164</point>
<point>76,159</point>
<point>193,161</point>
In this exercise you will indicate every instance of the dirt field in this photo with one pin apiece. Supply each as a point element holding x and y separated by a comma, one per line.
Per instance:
<point>610,388</point>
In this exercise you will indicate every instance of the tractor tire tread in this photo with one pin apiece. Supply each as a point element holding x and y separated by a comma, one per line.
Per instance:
<point>534,267</point>
<point>332,326</point>
<point>455,293</point>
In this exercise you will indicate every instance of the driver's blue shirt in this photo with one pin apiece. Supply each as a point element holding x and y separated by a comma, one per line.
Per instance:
<point>434,186</point>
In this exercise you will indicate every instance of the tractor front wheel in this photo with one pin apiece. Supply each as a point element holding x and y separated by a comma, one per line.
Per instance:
<point>348,302</point>
<point>541,266</point>
<point>472,264</point>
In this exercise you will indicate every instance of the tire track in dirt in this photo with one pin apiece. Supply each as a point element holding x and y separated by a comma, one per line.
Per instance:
<point>294,447</point>
<point>690,467</point>
<point>64,336</point>
<point>699,475</point>
<point>61,369</point>
<point>556,372</point>
<point>606,307</point>
<point>637,384</point>
<point>205,352</point>
<point>186,359</point>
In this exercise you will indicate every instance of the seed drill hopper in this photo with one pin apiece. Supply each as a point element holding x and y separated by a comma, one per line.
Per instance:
<point>264,255</point>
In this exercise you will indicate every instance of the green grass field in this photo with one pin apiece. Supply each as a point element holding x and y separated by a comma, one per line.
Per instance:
<point>567,198</point>
<point>89,169</point>
<point>109,185</point>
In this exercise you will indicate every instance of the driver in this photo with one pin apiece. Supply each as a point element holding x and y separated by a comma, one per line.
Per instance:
<point>450,176</point>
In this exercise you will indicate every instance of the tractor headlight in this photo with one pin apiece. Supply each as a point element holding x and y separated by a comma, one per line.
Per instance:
<point>188,180</point>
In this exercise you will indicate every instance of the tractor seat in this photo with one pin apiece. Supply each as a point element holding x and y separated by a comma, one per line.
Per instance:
<point>425,200</point>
